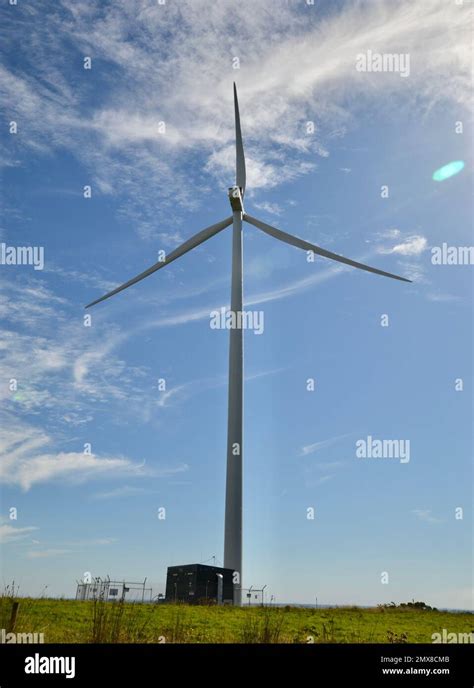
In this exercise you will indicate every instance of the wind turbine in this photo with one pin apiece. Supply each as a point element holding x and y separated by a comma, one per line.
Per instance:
<point>233,499</point>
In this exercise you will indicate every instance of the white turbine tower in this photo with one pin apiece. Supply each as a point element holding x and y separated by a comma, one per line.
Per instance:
<point>233,498</point>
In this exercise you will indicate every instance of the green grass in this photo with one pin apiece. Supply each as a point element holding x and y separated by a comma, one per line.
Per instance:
<point>70,621</point>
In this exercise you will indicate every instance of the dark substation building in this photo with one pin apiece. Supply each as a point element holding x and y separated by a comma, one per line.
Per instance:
<point>198,584</point>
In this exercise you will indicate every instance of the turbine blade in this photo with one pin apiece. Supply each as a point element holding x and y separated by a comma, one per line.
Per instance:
<point>177,253</point>
<point>300,243</point>
<point>240,176</point>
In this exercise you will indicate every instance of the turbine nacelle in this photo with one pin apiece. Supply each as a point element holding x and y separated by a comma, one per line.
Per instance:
<point>236,198</point>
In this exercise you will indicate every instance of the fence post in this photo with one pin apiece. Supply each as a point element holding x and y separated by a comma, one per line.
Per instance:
<point>13,617</point>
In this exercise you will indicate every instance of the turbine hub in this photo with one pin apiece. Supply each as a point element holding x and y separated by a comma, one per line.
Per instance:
<point>235,198</point>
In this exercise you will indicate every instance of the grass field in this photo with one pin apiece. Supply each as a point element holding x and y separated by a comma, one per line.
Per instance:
<point>70,621</point>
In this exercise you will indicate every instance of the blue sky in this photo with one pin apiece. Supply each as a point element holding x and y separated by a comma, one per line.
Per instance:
<point>174,63</point>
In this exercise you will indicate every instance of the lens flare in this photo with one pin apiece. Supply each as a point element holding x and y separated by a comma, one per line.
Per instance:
<point>448,170</point>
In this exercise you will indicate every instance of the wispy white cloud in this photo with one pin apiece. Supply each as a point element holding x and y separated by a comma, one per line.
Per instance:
<point>27,459</point>
<point>262,373</point>
<point>123,491</point>
<point>440,297</point>
<point>166,396</point>
<point>321,444</point>
<point>416,271</point>
<point>183,392</point>
<point>93,542</point>
<point>411,246</point>
<point>46,553</point>
<point>311,77</point>
<point>266,206</point>
<point>426,515</point>
<point>76,419</point>
<point>296,286</point>
<point>387,234</point>
<point>311,480</point>
<point>50,362</point>
<point>329,465</point>
<point>408,247</point>
<point>323,479</point>
<point>60,549</point>
<point>91,277</point>
<point>10,533</point>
